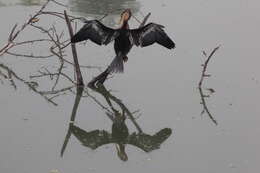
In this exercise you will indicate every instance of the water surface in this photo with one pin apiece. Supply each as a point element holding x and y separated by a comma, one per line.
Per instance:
<point>161,84</point>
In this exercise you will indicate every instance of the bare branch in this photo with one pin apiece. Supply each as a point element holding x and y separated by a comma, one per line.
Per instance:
<point>12,32</point>
<point>74,53</point>
<point>205,65</point>
<point>203,75</point>
<point>28,56</point>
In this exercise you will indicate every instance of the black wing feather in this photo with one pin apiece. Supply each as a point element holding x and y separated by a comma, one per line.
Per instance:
<point>96,32</point>
<point>149,34</point>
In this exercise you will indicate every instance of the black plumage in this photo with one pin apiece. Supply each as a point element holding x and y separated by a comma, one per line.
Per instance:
<point>96,32</point>
<point>150,34</point>
<point>124,38</point>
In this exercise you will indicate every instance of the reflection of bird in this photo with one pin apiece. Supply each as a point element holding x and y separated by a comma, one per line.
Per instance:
<point>97,138</point>
<point>124,38</point>
<point>120,134</point>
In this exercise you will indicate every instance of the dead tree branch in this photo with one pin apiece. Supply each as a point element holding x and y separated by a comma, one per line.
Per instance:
<point>74,52</point>
<point>205,65</point>
<point>203,76</point>
<point>14,33</point>
<point>100,88</point>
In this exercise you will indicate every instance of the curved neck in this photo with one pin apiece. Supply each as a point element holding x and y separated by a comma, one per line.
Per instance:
<point>125,25</point>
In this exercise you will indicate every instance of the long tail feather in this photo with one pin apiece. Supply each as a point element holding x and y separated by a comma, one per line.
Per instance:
<point>117,65</point>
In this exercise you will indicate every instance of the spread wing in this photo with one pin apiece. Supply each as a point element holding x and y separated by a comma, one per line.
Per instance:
<point>96,32</point>
<point>148,142</point>
<point>149,34</point>
<point>92,139</point>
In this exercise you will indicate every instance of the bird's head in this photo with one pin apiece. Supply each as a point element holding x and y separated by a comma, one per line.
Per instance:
<point>125,16</point>
<point>121,152</point>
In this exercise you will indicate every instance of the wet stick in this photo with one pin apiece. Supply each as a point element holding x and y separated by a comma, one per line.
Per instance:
<point>74,53</point>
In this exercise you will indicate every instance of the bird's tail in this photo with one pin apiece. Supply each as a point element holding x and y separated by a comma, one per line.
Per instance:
<point>117,65</point>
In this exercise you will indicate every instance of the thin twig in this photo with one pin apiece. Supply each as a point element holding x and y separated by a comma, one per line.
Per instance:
<point>205,65</point>
<point>13,34</point>
<point>28,56</point>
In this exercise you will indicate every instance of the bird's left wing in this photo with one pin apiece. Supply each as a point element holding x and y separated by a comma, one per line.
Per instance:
<point>96,32</point>
<point>149,34</point>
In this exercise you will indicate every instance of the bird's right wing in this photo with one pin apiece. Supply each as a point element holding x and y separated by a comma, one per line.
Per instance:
<point>96,32</point>
<point>149,34</point>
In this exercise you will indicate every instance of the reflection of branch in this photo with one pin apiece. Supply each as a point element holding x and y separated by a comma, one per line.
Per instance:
<point>72,118</point>
<point>32,85</point>
<point>100,88</point>
<point>203,75</point>
<point>120,134</point>
<point>50,75</point>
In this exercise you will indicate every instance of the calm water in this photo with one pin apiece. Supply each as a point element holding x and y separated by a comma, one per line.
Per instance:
<point>161,85</point>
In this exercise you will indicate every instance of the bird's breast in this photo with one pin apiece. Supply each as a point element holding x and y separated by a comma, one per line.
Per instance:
<point>122,43</point>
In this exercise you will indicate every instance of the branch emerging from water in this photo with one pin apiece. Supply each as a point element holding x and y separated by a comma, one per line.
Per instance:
<point>74,53</point>
<point>203,76</point>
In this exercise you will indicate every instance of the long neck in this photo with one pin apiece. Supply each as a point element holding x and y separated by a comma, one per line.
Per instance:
<point>125,25</point>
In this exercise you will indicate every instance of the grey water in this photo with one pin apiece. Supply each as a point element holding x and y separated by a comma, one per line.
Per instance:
<point>159,87</point>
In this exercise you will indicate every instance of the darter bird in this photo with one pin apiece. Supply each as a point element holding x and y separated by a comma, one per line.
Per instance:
<point>124,38</point>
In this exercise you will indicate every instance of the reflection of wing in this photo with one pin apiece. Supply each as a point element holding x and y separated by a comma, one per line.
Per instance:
<point>96,32</point>
<point>148,142</point>
<point>151,33</point>
<point>92,139</point>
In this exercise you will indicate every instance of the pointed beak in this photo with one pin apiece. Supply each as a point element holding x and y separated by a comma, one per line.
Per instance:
<point>125,16</point>
<point>121,20</point>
